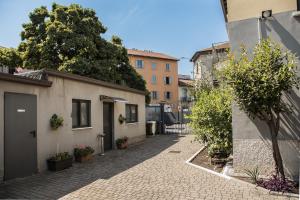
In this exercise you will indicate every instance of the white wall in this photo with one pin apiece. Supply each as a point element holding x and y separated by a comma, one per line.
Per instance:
<point>58,100</point>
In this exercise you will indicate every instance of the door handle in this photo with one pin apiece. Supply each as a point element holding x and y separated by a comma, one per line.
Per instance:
<point>33,133</point>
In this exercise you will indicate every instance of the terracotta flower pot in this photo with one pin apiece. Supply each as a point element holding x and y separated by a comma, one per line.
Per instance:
<point>123,145</point>
<point>84,158</point>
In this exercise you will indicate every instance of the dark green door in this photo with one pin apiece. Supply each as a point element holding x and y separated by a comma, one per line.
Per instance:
<point>108,125</point>
<point>20,142</point>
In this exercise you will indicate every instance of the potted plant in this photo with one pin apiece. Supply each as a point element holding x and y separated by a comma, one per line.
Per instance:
<point>83,153</point>
<point>56,121</point>
<point>122,119</point>
<point>60,161</point>
<point>122,143</point>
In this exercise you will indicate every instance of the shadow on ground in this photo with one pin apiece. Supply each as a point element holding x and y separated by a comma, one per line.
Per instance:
<point>49,185</point>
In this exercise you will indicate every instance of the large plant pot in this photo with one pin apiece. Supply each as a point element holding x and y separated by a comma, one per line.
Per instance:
<point>123,145</point>
<point>59,165</point>
<point>83,158</point>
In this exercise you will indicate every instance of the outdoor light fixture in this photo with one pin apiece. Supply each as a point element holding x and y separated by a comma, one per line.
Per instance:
<point>266,14</point>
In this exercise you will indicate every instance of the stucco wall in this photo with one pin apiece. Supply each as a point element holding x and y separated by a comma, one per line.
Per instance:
<point>58,99</point>
<point>245,9</point>
<point>251,137</point>
<point>160,72</point>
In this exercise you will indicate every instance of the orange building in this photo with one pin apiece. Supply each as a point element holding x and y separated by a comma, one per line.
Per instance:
<point>160,72</point>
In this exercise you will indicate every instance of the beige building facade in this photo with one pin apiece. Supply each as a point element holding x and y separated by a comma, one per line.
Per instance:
<point>56,95</point>
<point>160,72</point>
<point>245,9</point>
<point>246,26</point>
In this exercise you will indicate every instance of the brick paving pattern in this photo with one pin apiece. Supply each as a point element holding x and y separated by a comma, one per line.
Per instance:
<point>146,171</point>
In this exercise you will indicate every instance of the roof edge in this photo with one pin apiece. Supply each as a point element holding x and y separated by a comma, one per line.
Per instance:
<point>84,79</point>
<point>25,80</point>
<point>174,59</point>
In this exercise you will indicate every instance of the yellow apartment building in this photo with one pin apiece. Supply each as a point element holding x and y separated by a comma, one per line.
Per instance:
<point>160,71</point>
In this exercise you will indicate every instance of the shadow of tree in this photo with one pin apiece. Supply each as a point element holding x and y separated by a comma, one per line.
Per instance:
<point>49,185</point>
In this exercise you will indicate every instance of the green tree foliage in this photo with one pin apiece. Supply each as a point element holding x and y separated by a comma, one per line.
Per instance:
<point>211,118</point>
<point>259,84</point>
<point>68,38</point>
<point>10,58</point>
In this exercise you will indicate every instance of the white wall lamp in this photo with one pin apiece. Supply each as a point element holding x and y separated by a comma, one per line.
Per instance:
<point>266,14</point>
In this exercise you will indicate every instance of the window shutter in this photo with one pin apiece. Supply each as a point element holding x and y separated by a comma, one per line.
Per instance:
<point>170,79</point>
<point>165,80</point>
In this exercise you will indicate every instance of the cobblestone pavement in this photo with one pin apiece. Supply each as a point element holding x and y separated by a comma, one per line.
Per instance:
<point>146,171</point>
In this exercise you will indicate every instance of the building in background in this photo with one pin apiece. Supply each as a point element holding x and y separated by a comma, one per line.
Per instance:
<point>160,71</point>
<point>185,86</point>
<point>247,23</point>
<point>206,60</point>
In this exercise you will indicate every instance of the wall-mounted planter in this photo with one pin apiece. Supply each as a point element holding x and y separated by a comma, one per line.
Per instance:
<point>121,119</point>
<point>56,121</point>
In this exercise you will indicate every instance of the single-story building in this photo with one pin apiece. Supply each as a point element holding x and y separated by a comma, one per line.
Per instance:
<point>89,108</point>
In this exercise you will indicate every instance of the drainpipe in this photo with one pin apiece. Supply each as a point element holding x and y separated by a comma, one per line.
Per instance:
<point>259,29</point>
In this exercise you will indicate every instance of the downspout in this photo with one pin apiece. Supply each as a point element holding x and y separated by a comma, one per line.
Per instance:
<point>259,29</point>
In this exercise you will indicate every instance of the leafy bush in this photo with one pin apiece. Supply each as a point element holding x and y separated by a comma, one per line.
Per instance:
<point>253,174</point>
<point>60,156</point>
<point>82,151</point>
<point>211,119</point>
<point>276,183</point>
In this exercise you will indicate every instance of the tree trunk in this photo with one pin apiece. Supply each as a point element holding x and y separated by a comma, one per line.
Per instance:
<point>275,149</point>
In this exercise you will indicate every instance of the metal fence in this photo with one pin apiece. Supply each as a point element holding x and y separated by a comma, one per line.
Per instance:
<point>170,122</point>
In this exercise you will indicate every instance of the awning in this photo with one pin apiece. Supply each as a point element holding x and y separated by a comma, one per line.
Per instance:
<point>112,99</point>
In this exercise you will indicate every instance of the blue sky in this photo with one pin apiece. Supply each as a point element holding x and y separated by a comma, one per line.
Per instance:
<point>175,27</point>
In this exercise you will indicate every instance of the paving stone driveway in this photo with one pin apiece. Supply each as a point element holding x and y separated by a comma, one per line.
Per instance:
<point>146,171</point>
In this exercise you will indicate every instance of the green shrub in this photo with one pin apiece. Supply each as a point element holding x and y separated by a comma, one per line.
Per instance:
<point>211,119</point>
<point>253,174</point>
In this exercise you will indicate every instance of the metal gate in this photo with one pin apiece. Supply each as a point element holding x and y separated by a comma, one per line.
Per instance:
<point>170,121</point>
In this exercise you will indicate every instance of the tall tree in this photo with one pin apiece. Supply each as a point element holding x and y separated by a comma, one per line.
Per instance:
<point>10,58</point>
<point>68,38</point>
<point>259,84</point>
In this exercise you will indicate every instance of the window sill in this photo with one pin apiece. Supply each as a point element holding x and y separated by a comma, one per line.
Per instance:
<point>131,123</point>
<point>83,128</point>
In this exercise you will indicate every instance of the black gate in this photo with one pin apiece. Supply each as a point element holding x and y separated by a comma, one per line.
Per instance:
<point>170,121</point>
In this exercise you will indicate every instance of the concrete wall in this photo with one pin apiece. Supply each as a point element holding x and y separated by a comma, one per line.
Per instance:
<point>206,63</point>
<point>58,99</point>
<point>251,139</point>
<point>245,9</point>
